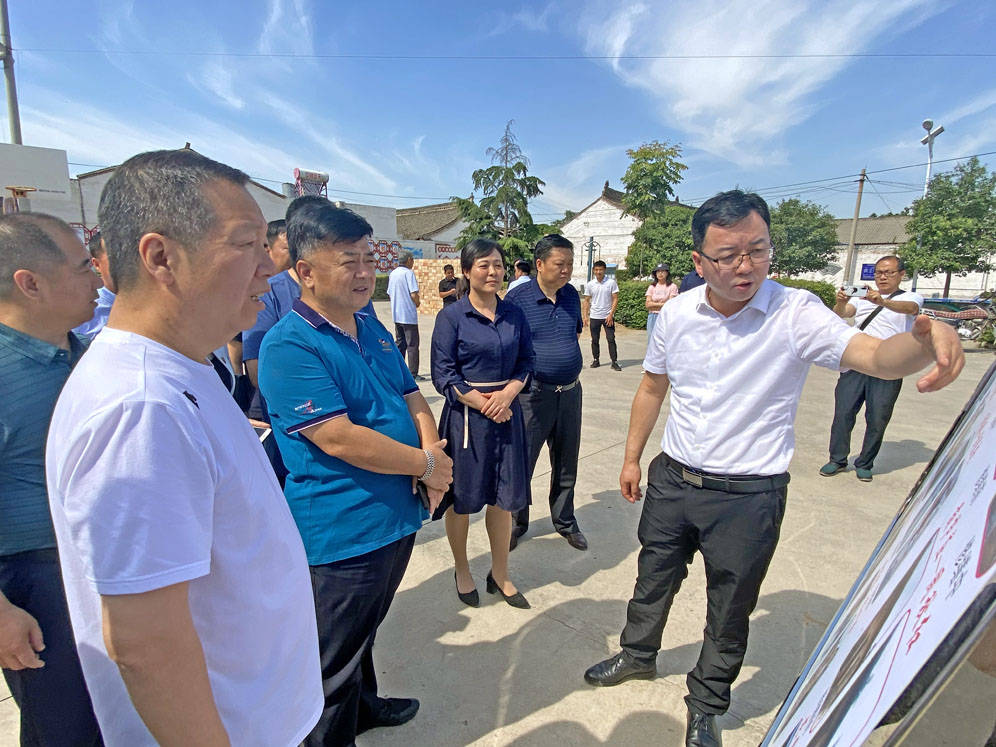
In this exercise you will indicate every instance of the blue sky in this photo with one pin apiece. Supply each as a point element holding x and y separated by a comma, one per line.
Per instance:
<point>107,79</point>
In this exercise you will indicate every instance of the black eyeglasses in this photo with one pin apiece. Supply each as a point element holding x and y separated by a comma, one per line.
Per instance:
<point>733,261</point>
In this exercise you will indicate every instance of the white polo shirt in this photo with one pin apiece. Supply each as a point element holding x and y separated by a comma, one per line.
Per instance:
<point>401,283</point>
<point>886,322</point>
<point>736,381</point>
<point>601,297</point>
<point>155,478</point>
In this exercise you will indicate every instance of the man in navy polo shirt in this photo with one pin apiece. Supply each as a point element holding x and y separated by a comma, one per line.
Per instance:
<point>46,288</point>
<point>356,436</point>
<point>552,406</point>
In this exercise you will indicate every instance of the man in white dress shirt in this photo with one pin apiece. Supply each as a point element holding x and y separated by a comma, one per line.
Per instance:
<point>734,353</point>
<point>884,312</point>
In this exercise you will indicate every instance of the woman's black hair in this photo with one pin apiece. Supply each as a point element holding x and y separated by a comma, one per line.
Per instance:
<point>479,247</point>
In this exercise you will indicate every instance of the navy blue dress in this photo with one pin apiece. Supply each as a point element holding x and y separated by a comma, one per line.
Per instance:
<point>490,460</point>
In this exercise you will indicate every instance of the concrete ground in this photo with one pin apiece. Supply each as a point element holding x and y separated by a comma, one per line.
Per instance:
<point>501,676</point>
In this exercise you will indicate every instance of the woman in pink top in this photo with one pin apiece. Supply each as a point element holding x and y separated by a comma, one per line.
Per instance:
<point>660,291</point>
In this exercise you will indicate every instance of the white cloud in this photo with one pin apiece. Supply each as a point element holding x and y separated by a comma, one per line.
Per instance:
<point>981,103</point>
<point>737,107</point>
<point>526,18</point>
<point>217,79</point>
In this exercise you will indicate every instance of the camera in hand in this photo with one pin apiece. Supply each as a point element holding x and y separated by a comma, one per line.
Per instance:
<point>855,291</point>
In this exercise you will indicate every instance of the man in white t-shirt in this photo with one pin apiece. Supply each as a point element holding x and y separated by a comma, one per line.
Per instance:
<point>402,288</point>
<point>601,294</point>
<point>186,577</point>
<point>734,354</point>
<point>521,268</point>
<point>884,312</point>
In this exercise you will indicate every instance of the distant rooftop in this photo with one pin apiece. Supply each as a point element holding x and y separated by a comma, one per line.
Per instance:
<point>885,229</point>
<point>422,222</point>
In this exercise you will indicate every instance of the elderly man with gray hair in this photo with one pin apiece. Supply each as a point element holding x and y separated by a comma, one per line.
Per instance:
<point>402,287</point>
<point>187,581</point>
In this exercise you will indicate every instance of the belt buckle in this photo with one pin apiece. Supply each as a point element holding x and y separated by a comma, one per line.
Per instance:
<point>691,478</point>
<point>559,389</point>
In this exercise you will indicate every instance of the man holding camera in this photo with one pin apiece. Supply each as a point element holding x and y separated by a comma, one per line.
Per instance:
<point>884,311</point>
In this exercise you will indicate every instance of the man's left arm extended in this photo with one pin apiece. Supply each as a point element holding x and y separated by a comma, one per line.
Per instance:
<point>907,353</point>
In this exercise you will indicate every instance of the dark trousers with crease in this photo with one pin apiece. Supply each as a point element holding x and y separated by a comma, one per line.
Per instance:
<point>879,398</point>
<point>596,326</point>
<point>352,597</point>
<point>54,701</point>
<point>553,419</point>
<point>736,534</point>
<point>406,338</point>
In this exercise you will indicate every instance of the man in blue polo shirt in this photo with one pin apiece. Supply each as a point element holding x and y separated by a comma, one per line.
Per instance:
<point>356,436</point>
<point>47,287</point>
<point>552,406</point>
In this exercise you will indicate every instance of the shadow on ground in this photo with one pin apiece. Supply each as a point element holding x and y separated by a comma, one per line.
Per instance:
<point>642,727</point>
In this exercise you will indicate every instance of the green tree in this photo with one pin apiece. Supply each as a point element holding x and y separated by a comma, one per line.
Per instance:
<point>953,228</point>
<point>804,235</point>
<point>505,188</point>
<point>664,234</point>
<point>666,238</point>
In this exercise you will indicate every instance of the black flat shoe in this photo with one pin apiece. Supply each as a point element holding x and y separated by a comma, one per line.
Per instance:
<point>619,668</point>
<point>387,712</point>
<point>470,598</point>
<point>702,730</point>
<point>515,600</point>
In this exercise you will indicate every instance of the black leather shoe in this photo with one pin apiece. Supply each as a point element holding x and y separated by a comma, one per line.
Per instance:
<point>576,540</point>
<point>615,366</point>
<point>702,730</point>
<point>515,600</point>
<point>619,668</point>
<point>470,598</point>
<point>594,364</point>
<point>388,712</point>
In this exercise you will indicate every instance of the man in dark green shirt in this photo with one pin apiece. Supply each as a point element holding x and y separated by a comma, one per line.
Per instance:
<point>47,287</point>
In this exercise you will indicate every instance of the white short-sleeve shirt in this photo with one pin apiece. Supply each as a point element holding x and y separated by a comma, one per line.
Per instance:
<point>601,297</point>
<point>155,478</point>
<point>736,381</point>
<point>401,283</point>
<point>886,322</point>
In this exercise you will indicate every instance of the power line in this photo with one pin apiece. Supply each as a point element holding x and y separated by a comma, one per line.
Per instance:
<point>508,58</point>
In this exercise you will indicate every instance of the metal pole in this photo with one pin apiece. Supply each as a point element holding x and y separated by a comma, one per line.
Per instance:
<point>13,115</point>
<point>851,254</point>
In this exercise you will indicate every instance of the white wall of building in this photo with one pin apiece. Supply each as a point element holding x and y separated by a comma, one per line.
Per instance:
<point>612,230</point>
<point>383,219</point>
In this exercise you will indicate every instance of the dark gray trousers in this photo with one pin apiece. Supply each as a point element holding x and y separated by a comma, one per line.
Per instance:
<point>879,398</point>
<point>596,326</point>
<point>406,338</point>
<point>553,419</point>
<point>736,534</point>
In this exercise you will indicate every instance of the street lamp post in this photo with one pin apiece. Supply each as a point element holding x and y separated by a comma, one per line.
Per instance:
<point>928,140</point>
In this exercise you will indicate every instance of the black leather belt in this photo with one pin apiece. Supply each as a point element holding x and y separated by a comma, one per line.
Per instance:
<point>556,387</point>
<point>727,483</point>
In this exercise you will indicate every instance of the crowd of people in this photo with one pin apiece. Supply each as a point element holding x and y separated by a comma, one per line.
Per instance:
<point>168,578</point>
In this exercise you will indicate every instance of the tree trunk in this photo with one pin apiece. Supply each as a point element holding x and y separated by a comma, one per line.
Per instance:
<point>947,285</point>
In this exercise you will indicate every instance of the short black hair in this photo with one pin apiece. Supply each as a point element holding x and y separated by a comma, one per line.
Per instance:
<point>274,229</point>
<point>725,209</point>
<point>599,263</point>
<point>158,192</point>
<point>94,246</point>
<point>299,202</point>
<point>479,247</point>
<point>447,267</point>
<point>548,243</point>
<point>26,245</point>
<point>900,265</point>
<point>313,224</point>
<point>522,265</point>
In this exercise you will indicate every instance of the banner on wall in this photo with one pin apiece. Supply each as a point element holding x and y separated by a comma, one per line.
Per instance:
<point>905,616</point>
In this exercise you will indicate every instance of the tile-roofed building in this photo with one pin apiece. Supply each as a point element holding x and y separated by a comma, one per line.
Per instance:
<point>430,222</point>
<point>880,230</point>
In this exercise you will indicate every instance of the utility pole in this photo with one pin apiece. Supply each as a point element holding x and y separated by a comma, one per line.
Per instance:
<point>849,264</point>
<point>8,72</point>
<point>590,246</point>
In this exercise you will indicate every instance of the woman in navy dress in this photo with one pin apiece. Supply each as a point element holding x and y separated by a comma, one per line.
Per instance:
<point>482,357</point>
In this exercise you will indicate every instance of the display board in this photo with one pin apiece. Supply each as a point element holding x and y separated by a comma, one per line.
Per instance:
<point>928,585</point>
<point>45,169</point>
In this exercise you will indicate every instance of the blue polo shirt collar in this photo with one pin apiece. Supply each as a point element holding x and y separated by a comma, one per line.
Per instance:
<point>317,320</point>
<point>39,350</point>
<point>538,296</point>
